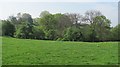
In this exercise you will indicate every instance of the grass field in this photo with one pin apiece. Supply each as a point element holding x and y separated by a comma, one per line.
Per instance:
<point>26,51</point>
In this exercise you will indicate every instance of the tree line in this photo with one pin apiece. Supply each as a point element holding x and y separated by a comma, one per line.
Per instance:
<point>92,26</point>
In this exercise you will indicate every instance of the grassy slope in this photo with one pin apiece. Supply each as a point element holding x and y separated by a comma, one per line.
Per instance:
<point>26,51</point>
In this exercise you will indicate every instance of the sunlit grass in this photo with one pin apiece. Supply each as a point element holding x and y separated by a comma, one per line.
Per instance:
<point>26,51</point>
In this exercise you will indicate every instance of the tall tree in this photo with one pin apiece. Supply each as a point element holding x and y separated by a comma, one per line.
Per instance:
<point>89,19</point>
<point>115,33</point>
<point>63,22</point>
<point>8,28</point>
<point>90,15</point>
<point>24,31</point>
<point>75,18</point>
<point>48,24</point>
<point>102,27</point>
<point>12,19</point>
<point>73,34</point>
<point>27,18</point>
<point>38,33</point>
<point>44,13</point>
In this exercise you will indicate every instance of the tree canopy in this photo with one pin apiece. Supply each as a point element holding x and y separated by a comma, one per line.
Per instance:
<point>92,26</point>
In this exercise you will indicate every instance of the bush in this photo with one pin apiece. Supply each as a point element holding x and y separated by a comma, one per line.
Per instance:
<point>38,33</point>
<point>73,34</point>
<point>8,29</point>
<point>24,31</point>
<point>115,33</point>
<point>51,34</point>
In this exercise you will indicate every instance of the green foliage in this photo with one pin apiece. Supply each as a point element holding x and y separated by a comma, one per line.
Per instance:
<point>13,20</point>
<point>44,13</point>
<point>38,33</point>
<point>86,32</point>
<point>115,33</point>
<point>73,34</point>
<point>48,24</point>
<point>27,18</point>
<point>100,28</point>
<point>8,28</point>
<point>63,22</point>
<point>51,35</point>
<point>69,27</point>
<point>24,31</point>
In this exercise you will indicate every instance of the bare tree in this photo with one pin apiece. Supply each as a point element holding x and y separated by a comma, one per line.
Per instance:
<point>90,15</point>
<point>75,18</point>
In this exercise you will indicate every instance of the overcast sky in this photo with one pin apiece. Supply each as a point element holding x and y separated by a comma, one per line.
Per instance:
<point>109,8</point>
<point>60,0</point>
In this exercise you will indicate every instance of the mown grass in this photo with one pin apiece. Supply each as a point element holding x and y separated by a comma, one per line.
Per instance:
<point>32,52</point>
